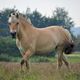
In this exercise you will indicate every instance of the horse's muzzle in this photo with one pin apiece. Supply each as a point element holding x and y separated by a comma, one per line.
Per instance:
<point>13,34</point>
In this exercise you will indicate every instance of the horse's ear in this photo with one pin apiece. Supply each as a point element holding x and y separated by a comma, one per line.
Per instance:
<point>28,19</point>
<point>17,15</point>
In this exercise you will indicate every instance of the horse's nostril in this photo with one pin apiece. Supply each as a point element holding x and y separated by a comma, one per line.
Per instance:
<point>13,35</point>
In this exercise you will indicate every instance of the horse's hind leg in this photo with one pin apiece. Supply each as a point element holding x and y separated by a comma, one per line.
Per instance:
<point>59,52</point>
<point>59,62</point>
<point>65,61</point>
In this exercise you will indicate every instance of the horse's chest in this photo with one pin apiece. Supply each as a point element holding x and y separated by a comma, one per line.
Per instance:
<point>20,47</point>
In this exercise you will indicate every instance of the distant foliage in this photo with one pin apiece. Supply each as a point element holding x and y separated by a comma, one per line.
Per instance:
<point>4,31</point>
<point>38,20</point>
<point>8,46</point>
<point>77,43</point>
<point>60,17</point>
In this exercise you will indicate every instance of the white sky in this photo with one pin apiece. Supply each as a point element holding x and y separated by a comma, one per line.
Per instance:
<point>46,7</point>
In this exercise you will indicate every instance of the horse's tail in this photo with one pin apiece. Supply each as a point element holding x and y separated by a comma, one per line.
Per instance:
<point>68,48</point>
<point>68,44</point>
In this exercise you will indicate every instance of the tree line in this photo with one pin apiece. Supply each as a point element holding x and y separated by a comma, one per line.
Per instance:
<point>59,17</point>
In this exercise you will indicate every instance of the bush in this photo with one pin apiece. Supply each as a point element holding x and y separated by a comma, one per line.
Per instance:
<point>8,46</point>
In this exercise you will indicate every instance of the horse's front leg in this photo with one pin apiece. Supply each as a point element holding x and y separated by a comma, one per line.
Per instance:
<point>25,59</point>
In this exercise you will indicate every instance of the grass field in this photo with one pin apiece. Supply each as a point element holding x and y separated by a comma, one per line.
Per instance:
<point>42,68</point>
<point>39,71</point>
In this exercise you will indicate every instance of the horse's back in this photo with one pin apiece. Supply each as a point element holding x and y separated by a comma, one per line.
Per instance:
<point>57,34</point>
<point>62,31</point>
<point>48,38</point>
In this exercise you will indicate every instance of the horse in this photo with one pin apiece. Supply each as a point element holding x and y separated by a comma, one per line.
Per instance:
<point>31,40</point>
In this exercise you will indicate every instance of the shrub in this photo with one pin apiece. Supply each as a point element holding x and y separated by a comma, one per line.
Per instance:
<point>8,46</point>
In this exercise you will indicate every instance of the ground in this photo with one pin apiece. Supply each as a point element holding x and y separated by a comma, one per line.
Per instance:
<point>39,71</point>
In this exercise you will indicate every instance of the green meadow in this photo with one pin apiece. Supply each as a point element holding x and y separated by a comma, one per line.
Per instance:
<point>42,68</point>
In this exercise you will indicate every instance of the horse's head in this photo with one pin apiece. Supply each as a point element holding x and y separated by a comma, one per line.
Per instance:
<point>13,23</point>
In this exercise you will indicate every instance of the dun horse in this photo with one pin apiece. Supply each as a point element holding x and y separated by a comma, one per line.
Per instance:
<point>31,40</point>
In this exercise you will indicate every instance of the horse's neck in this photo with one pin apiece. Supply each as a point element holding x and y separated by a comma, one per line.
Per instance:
<point>24,28</point>
<point>26,23</point>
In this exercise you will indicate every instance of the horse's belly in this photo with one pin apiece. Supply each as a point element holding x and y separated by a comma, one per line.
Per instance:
<point>46,43</point>
<point>46,48</point>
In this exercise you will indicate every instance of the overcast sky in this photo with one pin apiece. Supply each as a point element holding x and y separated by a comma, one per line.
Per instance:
<point>46,7</point>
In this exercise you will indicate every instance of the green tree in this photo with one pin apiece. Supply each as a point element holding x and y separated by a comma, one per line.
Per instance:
<point>4,31</point>
<point>77,43</point>
<point>38,20</point>
<point>61,18</point>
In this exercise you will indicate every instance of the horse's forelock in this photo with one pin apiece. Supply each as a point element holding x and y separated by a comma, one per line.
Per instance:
<point>14,13</point>
<point>13,17</point>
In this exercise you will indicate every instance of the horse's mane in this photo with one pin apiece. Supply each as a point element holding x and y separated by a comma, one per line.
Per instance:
<point>24,19</point>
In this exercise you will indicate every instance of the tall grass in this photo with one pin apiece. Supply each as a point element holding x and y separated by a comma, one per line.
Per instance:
<point>38,72</point>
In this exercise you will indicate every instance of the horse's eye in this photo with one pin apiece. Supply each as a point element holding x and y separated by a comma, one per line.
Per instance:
<point>13,13</point>
<point>9,23</point>
<point>17,23</point>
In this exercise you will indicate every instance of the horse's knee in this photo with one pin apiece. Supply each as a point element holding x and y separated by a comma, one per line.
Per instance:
<point>22,62</point>
<point>59,63</point>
